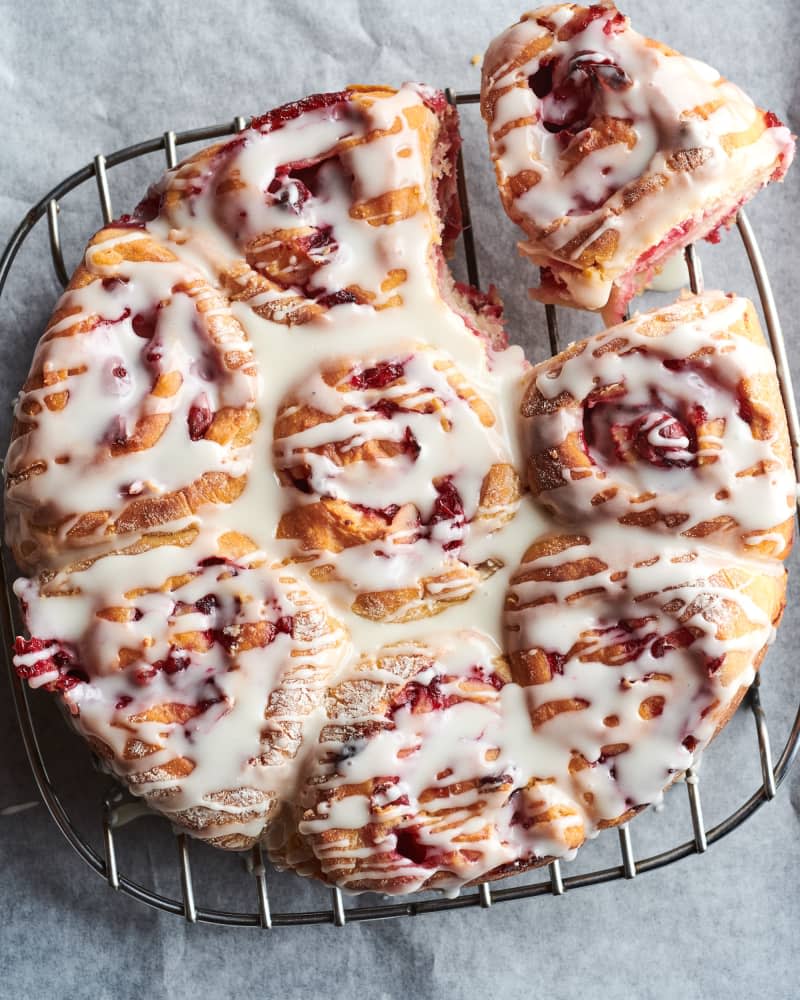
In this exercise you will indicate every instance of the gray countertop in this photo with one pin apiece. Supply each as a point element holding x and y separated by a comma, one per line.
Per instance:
<point>89,77</point>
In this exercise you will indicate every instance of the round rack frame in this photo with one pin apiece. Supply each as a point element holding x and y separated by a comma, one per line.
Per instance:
<point>336,912</point>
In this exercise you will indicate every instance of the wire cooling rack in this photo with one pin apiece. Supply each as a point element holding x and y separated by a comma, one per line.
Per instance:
<point>117,804</point>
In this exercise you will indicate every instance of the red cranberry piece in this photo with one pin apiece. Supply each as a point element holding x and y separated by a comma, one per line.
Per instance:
<point>541,82</point>
<point>681,638</point>
<point>615,25</point>
<point>148,208</point>
<point>112,284</point>
<point>207,605</point>
<point>340,298</point>
<point>104,321</point>
<point>381,375</point>
<point>448,505</point>
<point>200,418</point>
<point>690,743</point>
<point>24,646</point>
<point>421,698</point>
<point>387,514</point>
<point>68,681</point>
<point>144,324</point>
<point>408,845</point>
<point>143,675</point>
<point>572,100</point>
<point>387,408</point>
<point>60,660</point>
<point>127,222</point>
<point>492,678</point>
<point>288,193</point>
<point>174,663</point>
<point>411,446</point>
<point>771,120</point>
<point>285,625</point>
<point>123,701</point>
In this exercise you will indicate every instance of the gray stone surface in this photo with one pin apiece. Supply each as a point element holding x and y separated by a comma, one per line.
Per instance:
<point>88,77</point>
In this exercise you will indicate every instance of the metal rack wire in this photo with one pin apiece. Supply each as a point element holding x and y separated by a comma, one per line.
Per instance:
<point>336,913</point>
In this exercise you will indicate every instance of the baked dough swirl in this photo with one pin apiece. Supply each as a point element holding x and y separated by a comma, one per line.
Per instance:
<point>373,451</point>
<point>613,151</point>
<point>672,422</point>
<point>141,360</point>
<point>424,776</point>
<point>197,688</point>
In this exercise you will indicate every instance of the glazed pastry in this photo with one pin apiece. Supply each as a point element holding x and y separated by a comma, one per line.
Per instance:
<point>293,218</point>
<point>673,422</point>
<point>196,684</point>
<point>299,441</point>
<point>613,151</point>
<point>171,607</point>
<point>634,655</point>
<point>141,360</point>
<point>426,775</point>
<point>374,453</point>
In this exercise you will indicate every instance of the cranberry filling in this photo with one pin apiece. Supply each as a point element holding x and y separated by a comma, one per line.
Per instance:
<point>681,638</point>
<point>421,698</point>
<point>383,374</point>
<point>144,324</point>
<point>199,418</point>
<point>662,440</point>
<point>61,660</point>
<point>571,91</point>
<point>206,605</point>
<point>448,506</point>
<point>386,514</point>
<point>273,120</point>
<point>174,663</point>
<point>148,208</point>
<point>294,184</point>
<point>341,298</point>
<point>410,846</point>
<point>627,647</point>
<point>621,434</point>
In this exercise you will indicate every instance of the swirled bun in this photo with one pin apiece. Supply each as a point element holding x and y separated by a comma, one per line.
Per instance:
<point>672,422</point>
<point>613,151</point>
